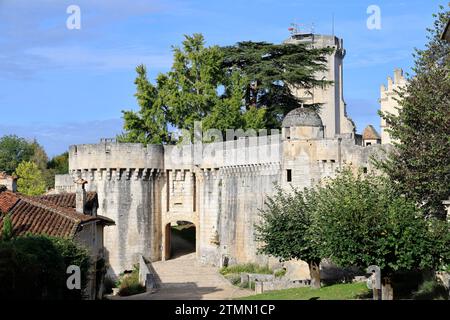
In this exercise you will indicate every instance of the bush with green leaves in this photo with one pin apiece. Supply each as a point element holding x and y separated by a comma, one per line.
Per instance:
<point>420,164</point>
<point>129,283</point>
<point>285,230</point>
<point>31,181</point>
<point>14,150</point>
<point>34,267</point>
<point>362,221</point>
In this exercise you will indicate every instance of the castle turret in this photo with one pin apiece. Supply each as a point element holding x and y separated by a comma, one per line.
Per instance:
<point>388,101</point>
<point>302,123</point>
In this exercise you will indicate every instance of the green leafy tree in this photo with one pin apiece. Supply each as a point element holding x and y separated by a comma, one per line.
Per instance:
<point>150,123</point>
<point>420,163</point>
<point>7,229</point>
<point>14,150</point>
<point>189,89</point>
<point>227,111</point>
<point>274,72</point>
<point>40,158</point>
<point>246,86</point>
<point>31,181</point>
<point>286,229</point>
<point>60,163</point>
<point>34,267</point>
<point>362,222</point>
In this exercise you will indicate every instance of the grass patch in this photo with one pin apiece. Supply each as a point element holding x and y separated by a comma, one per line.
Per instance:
<point>334,292</point>
<point>129,284</point>
<point>247,268</point>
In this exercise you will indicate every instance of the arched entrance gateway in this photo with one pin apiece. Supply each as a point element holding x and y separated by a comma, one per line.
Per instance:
<point>180,238</point>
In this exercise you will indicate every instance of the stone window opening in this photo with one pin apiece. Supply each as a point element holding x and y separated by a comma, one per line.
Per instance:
<point>289,175</point>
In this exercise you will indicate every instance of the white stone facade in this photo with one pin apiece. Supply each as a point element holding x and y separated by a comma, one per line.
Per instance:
<point>389,101</point>
<point>333,111</point>
<point>219,187</point>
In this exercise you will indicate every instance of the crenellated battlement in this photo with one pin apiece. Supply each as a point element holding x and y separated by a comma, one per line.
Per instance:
<point>113,156</point>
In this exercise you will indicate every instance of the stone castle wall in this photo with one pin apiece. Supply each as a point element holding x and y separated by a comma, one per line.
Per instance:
<point>219,187</point>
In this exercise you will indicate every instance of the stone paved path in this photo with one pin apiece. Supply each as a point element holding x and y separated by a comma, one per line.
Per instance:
<point>184,278</point>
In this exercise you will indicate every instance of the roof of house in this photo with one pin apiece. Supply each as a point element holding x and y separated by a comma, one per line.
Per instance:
<point>68,200</point>
<point>370,133</point>
<point>39,216</point>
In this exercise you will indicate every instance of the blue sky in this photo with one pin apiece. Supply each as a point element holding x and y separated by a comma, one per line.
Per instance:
<point>64,86</point>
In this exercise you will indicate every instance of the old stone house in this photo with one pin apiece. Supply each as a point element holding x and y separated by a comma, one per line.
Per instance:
<point>70,215</point>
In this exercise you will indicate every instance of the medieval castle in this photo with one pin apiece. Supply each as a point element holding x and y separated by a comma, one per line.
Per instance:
<point>220,186</point>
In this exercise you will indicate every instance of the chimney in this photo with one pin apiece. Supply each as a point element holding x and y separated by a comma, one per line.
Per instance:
<point>81,196</point>
<point>13,184</point>
<point>9,181</point>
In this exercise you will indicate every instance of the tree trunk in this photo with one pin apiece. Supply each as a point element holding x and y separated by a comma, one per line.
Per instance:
<point>387,292</point>
<point>314,271</point>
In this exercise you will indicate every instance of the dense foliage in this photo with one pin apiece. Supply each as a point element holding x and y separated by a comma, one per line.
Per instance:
<point>34,267</point>
<point>286,229</point>
<point>30,179</point>
<point>362,222</point>
<point>59,164</point>
<point>274,72</point>
<point>246,86</point>
<point>420,165</point>
<point>354,220</point>
<point>14,150</point>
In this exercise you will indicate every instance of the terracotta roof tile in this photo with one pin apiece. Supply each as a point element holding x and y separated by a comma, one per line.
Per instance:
<point>68,200</point>
<point>7,201</point>
<point>36,215</point>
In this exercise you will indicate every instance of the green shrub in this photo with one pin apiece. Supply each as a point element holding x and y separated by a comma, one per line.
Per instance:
<point>73,254</point>
<point>431,290</point>
<point>234,278</point>
<point>34,267</point>
<point>280,273</point>
<point>247,268</point>
<point>129,283</point>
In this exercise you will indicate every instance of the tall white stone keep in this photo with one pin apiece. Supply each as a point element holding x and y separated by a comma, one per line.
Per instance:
<point>333,111</point>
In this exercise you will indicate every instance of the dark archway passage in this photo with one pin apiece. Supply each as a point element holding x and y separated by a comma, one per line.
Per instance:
<point>182,239</point>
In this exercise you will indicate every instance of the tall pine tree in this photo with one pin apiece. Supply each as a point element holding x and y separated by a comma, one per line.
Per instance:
<point>149,124</point>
